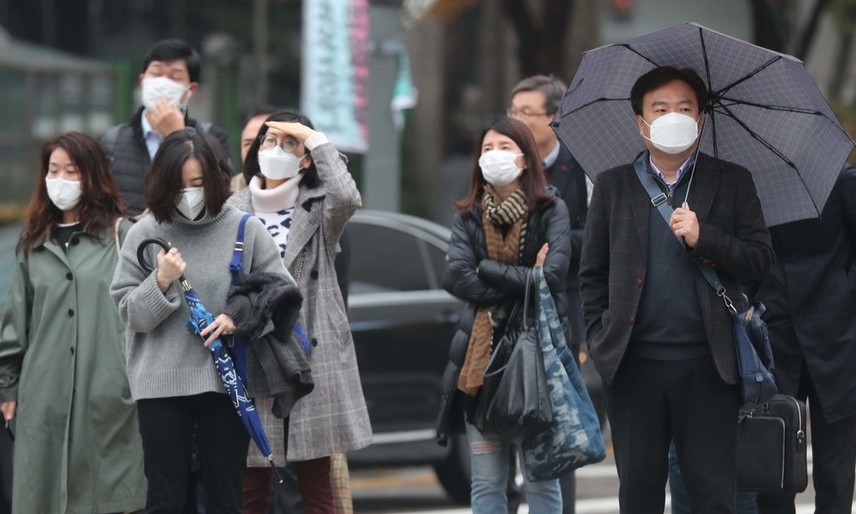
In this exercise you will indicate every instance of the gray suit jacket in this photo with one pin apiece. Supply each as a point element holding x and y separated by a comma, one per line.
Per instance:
<point>733,238</point>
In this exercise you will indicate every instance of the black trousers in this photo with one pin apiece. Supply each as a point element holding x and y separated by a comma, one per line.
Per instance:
<point>833,444</point>
<point>651,402</point>
<point>166,427</point>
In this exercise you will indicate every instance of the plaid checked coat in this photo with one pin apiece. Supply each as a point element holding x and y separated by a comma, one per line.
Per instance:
<point>733,238</point>
<point>333,418</point>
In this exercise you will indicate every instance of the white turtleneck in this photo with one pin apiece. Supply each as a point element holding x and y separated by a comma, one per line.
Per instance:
<point>274,207</point>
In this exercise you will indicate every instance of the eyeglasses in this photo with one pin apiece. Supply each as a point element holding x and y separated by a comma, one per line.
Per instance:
<point>268,141</point>
<point>524,114</point>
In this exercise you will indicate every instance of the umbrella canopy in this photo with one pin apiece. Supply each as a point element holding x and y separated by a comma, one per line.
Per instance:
<point>233,384</point>
<point>764,113</point>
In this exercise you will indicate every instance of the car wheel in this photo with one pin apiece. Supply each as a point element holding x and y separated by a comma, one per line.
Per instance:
<point>454,471</point>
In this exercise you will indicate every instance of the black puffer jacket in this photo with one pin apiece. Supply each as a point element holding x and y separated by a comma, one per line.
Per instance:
<point>496,284</point>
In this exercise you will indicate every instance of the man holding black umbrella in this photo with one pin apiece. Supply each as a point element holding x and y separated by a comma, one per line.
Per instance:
<point>657,332</point>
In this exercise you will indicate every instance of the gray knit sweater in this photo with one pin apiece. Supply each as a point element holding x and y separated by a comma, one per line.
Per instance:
<point>164,359</point>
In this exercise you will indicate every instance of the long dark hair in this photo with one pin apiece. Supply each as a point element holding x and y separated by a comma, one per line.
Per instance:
<point>100,203</point>
<point>532,181</point>
<point>251,163</point>
<point>163,182</point>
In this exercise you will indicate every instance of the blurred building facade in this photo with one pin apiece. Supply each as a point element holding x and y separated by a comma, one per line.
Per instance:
<point>465,56</point>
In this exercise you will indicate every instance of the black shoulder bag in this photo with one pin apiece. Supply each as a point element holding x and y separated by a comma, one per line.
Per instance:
<point>513,403</point>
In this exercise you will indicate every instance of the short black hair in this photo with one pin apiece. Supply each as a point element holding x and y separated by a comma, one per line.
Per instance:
<point>173,50</point>
<point>163,181</point>
<point>251,163</point>
<point>663,75</point>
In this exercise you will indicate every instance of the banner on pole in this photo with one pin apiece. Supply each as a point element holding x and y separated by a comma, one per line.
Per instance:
<point>335,70</point>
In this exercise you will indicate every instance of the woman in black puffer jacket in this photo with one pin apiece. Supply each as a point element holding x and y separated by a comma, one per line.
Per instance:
<point>508,223</point>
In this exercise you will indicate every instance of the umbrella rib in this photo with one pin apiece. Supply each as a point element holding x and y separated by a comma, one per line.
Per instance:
<point>759,69</point>
<point>774,150</point>
<point>710,97</point>
<point>733,101</point>
<point>726,111</point>
<point>596,100</point>
<point>627,46</point>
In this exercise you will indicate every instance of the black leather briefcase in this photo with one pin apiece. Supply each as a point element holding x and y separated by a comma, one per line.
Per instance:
<point>771,446</point>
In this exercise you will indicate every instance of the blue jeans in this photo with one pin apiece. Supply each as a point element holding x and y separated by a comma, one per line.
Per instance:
<point>490,466</point>
<point>746,503</point>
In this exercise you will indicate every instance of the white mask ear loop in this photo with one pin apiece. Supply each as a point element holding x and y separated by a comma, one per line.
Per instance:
<point>695,161</point>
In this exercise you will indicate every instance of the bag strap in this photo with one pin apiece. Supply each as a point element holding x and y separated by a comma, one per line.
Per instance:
<point>116,235</point>
<point>660,200</point>
<point>235,266</point>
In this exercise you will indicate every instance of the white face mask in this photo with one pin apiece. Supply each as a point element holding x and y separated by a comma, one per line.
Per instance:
<point>65,194</point>
<point>277,164</point>
<point>155,88</point>
<point>191,202</point>
<point>499,167</point>
<point>673,133</point>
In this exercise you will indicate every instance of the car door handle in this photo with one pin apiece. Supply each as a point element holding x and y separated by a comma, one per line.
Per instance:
<point>448,318</point>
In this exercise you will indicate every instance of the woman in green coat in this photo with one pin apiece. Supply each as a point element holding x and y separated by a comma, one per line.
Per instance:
<point>62,345</point>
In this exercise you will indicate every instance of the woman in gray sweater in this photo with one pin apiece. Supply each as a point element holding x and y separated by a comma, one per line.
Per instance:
<point>170,371</point>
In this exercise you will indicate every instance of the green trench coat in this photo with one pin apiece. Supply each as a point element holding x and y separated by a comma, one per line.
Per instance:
<point>62,357</point>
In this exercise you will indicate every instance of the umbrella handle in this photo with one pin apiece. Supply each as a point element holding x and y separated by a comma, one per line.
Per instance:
<point>141,252</point>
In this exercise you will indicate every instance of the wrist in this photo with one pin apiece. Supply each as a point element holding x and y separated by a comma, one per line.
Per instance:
<point>163,283</point>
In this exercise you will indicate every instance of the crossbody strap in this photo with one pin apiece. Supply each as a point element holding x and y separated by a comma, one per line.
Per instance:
<point>235,266</point>
<point>116,236</point>
<point>660,201</point>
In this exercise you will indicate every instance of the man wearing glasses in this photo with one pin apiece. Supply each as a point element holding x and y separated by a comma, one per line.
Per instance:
<point>534,101</point>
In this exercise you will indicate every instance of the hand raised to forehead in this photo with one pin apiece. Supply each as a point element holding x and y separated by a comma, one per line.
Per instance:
<point>297,130</point>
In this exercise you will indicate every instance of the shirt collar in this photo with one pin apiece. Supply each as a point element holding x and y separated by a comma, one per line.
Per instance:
<point>687,164</point>
<point>550,158</point>
<point>147,127</point>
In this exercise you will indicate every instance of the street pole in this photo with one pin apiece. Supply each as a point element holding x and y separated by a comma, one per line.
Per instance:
<point>382,171</point>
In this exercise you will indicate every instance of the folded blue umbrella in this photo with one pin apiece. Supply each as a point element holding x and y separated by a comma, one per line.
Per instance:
<point>232,382</point>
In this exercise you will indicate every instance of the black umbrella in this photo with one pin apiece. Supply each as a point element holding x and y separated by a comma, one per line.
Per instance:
<point>764,113</point>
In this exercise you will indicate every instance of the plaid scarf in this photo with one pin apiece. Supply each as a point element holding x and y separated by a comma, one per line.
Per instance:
<point>505,230</point>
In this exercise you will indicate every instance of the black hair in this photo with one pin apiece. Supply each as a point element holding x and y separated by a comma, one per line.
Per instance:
<point>163,181</point>
<point>663,75</point>
<point>173,50</point>
<point>251,163</point>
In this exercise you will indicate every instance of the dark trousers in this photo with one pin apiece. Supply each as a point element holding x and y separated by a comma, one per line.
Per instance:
<point>166,427</point>
<point>746,503</point>
<point>651,402</point>
<point>833,447</point>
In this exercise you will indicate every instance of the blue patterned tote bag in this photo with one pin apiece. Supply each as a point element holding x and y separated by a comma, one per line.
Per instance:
<point>573,439</point>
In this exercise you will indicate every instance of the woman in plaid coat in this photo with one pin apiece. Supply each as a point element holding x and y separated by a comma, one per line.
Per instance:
<point>300,187</point>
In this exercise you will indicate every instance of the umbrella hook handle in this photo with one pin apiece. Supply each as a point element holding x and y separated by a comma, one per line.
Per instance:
<point>141,252</point>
